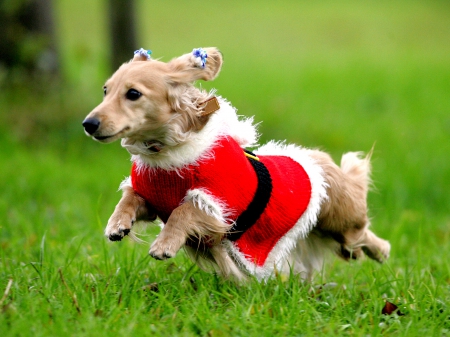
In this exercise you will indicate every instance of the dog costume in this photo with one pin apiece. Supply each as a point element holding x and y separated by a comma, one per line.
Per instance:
<point>269,201</point>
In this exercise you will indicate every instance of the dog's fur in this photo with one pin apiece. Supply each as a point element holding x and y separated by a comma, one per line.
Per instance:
<point>168,115</point>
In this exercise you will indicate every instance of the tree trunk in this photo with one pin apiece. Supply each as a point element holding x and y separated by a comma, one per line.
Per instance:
<point>123,31</point>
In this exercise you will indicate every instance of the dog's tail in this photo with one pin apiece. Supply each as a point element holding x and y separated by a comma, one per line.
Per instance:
<point>358,168</point>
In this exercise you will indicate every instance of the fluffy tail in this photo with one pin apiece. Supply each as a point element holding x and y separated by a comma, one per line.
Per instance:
<point>357,168</point>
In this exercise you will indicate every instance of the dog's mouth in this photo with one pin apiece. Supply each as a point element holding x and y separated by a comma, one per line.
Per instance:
<point>101,138</point>
<point>110,138</point>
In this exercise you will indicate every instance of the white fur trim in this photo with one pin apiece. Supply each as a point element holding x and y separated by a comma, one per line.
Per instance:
<point>284,247</point>
<point>224,122</point>
<point>125,183</point>
<point>209,204</point>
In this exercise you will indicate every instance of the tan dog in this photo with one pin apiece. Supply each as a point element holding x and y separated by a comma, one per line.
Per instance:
<point>242,214</point>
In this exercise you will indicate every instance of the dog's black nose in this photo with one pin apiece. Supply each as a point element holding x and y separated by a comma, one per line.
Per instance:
<point>91,125</point>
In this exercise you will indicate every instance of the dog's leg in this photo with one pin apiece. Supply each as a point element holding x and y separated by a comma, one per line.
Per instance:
<point>130,208</point>
<point>374,247</point>
<point>355,242</point>
<point>217,259</point>
<point>186,221</point>
<point>343,216</point>
<point>227,266</point>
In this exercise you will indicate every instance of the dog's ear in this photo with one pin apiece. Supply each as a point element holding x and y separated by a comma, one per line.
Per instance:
<point>201,64</point>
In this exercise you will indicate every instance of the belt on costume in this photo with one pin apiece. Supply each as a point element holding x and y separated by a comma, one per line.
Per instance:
<point>259,202</point>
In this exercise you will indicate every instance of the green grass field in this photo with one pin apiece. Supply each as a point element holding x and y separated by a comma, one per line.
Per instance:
<point>339,75</point>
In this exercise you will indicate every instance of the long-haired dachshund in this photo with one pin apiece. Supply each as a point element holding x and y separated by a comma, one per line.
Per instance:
<point>276,209</point>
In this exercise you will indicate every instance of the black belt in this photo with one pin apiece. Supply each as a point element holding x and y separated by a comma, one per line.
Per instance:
<point>260,200</point>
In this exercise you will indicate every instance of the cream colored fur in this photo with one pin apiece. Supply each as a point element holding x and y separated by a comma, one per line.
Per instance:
<point>167,116</point>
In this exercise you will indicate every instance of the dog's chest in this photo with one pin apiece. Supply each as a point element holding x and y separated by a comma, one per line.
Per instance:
<point>225,174</point>
<point>163,190</point>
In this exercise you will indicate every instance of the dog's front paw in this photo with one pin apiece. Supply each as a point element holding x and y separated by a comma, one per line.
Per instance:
<point>118,227</point>
<point>164,248</point>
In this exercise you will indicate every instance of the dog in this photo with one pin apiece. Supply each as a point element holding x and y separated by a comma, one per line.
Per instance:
<point>278,209</point>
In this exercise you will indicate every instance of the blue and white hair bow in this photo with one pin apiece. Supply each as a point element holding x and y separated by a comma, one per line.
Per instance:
<point>200,57</point>
<point>144,53</point>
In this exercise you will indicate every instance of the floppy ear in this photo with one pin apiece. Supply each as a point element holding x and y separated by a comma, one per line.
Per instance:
<point>201,64</point>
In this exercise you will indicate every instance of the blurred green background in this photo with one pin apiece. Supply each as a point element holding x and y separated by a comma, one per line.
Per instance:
<point>340,75</point>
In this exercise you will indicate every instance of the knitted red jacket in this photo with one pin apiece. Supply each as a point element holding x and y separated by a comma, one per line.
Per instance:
<point>229,178</point>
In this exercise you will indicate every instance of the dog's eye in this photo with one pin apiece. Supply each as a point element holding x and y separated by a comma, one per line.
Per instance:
<point>104,91</point>
<point>133,94</point>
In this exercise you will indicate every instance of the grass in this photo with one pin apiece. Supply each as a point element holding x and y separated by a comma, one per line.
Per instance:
<point>341,75</point>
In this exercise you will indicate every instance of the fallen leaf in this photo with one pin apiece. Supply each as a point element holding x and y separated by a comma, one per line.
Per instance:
<point>390,308</point>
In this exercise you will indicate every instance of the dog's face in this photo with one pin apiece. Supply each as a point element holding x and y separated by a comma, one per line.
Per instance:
<point>143,96</point>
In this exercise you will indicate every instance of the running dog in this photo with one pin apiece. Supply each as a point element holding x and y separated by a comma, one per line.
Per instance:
<point>274,210</point>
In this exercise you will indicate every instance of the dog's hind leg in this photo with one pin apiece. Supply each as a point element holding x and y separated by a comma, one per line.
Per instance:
<point>130,208</point>
<point>374,247</point>
<point>343,216</point>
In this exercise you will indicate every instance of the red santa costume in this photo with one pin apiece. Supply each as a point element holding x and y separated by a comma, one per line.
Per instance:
<point>270,201</point>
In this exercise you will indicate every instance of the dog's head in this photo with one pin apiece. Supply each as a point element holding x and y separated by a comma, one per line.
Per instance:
<point>154,102</point>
